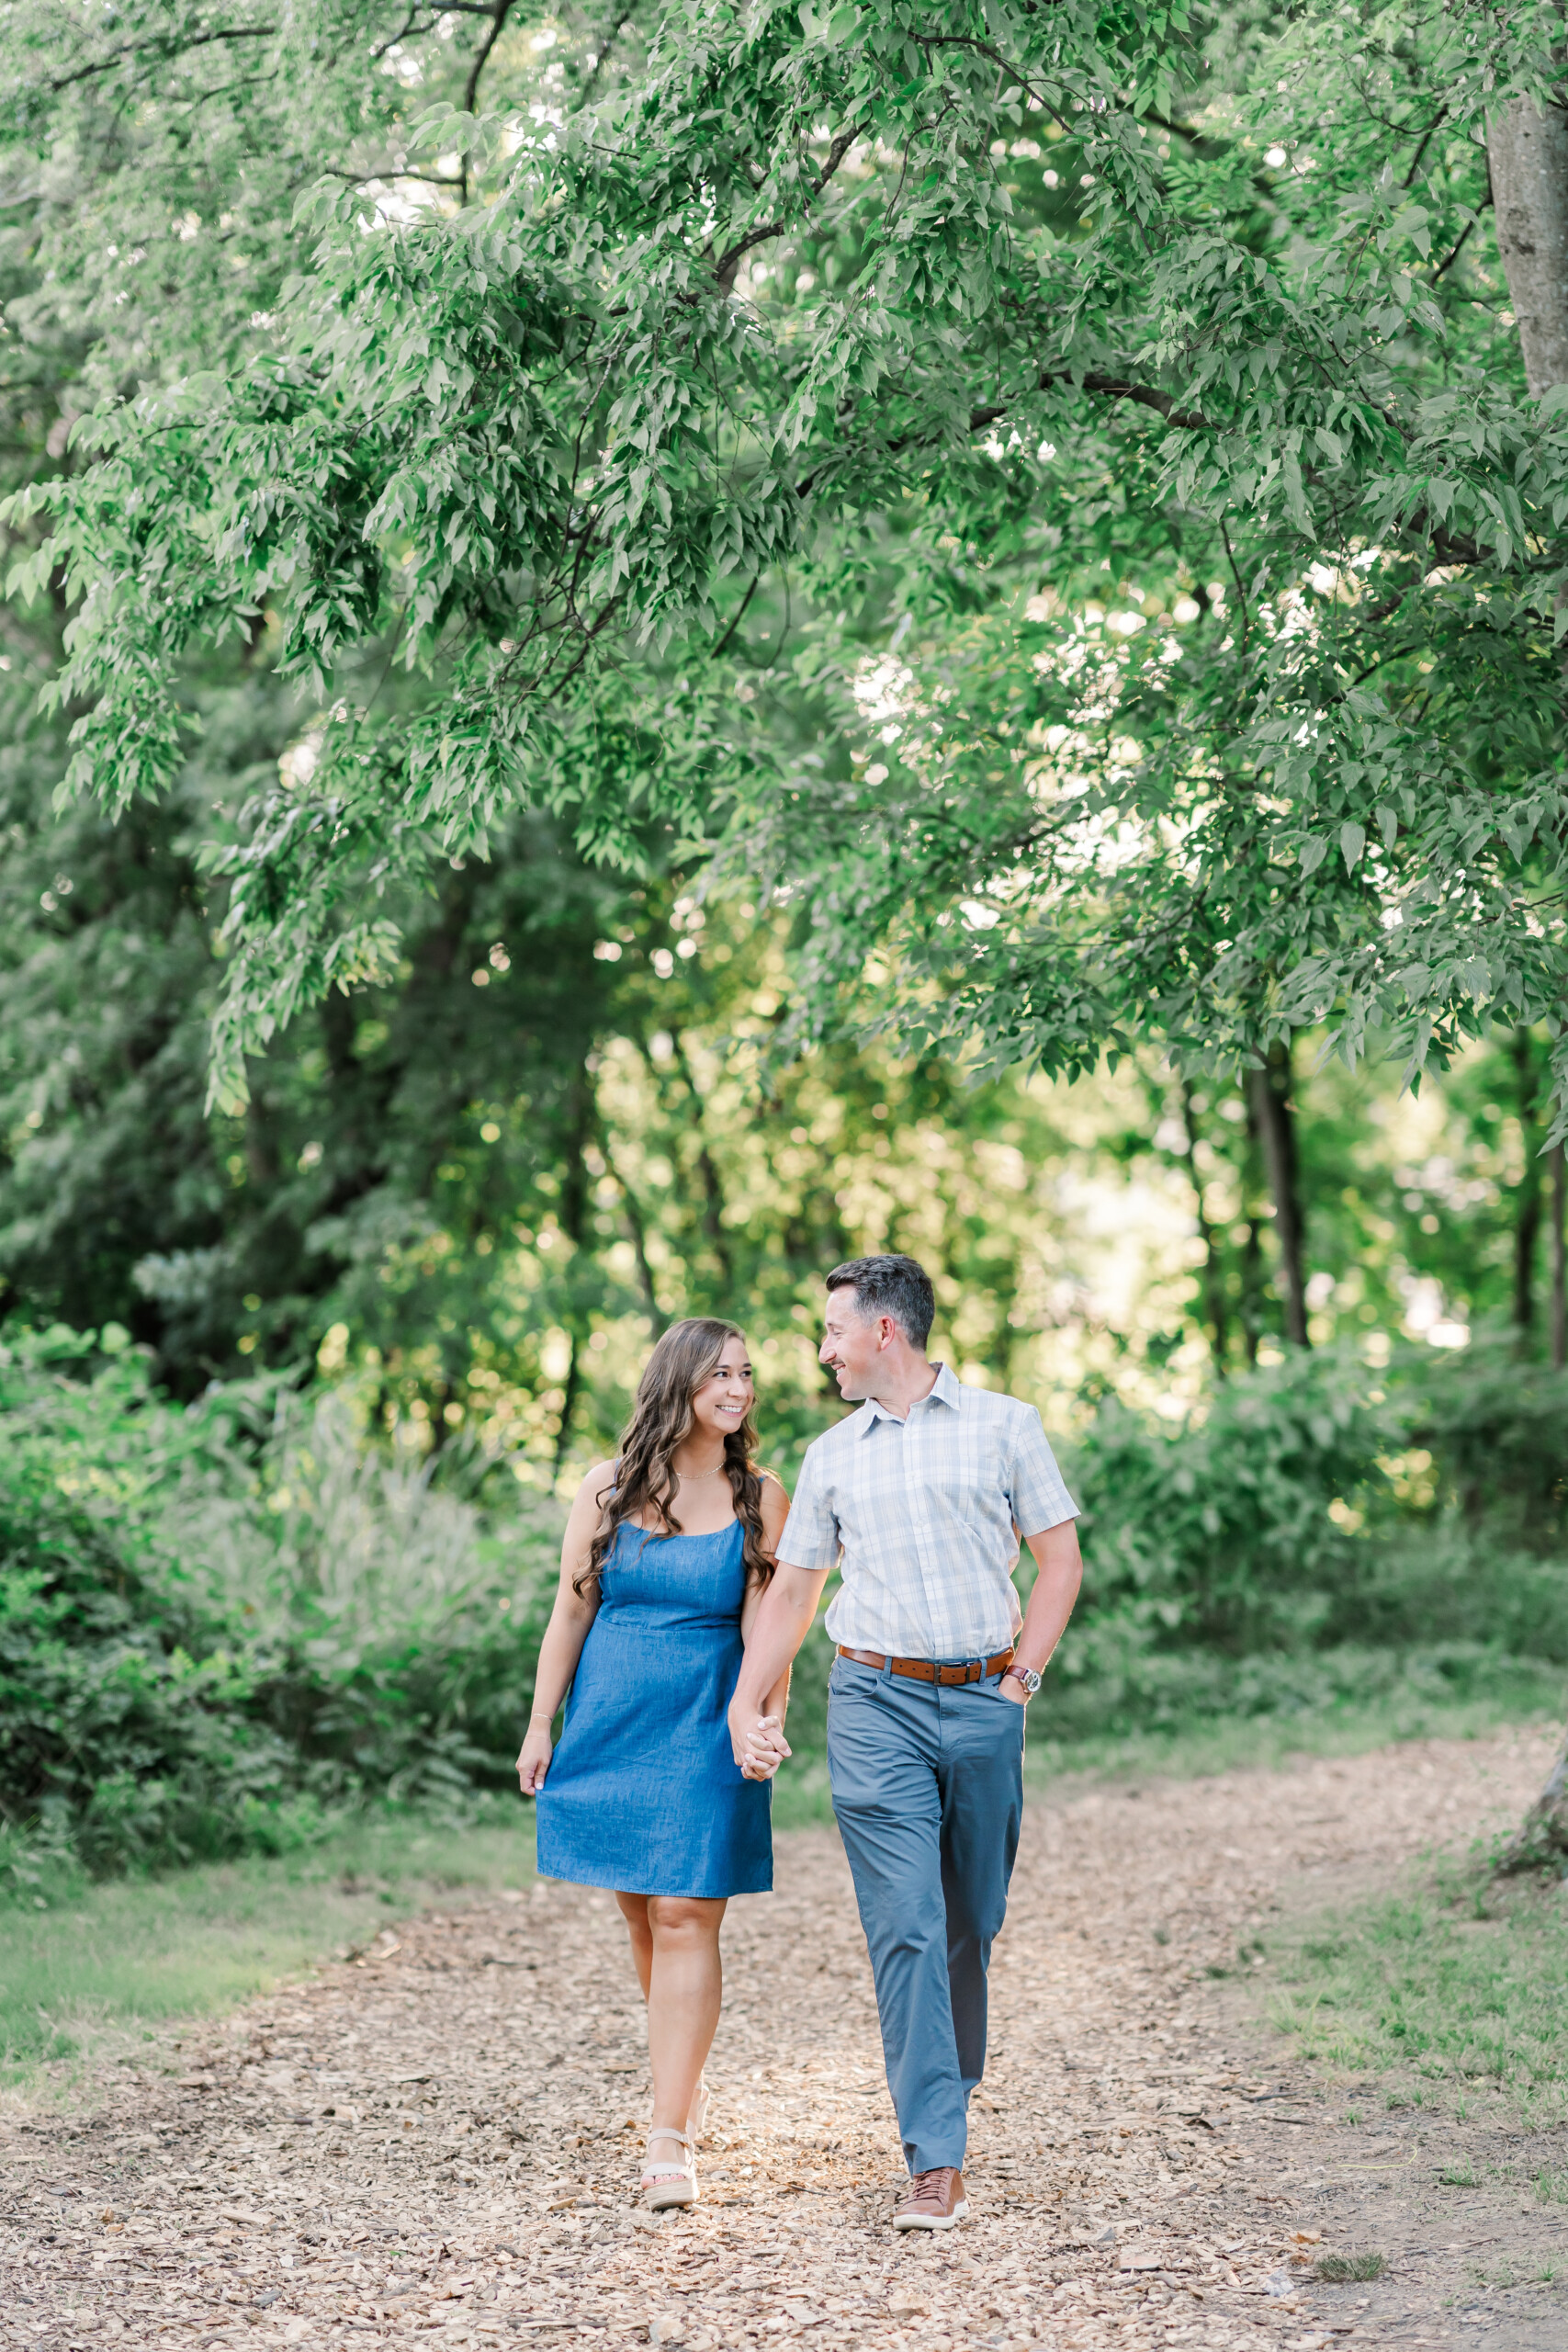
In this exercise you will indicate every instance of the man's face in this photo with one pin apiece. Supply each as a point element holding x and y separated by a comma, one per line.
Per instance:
<point>854,1344</point>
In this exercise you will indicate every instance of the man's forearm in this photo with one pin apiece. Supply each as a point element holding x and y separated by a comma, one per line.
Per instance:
<point>1050,1602</point>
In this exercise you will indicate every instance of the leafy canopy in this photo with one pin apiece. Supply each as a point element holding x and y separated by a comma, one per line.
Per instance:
<point>1116,407</point>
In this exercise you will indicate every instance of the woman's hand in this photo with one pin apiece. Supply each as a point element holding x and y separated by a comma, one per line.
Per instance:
<point>534,1761</point>
<point>765,1749</point>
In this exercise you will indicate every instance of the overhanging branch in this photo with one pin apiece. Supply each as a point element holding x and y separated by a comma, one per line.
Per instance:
<point>166,47</point>
<point>731,261</point>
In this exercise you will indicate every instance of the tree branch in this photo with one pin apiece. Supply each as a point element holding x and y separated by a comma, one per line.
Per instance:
<point>1443,267</point>
<point>166,48</point>
<point>1115,388</point>
<point>1426,137</point>
<point>607,44</point>
<point>1111,387</point>
<point>725,267</point>
<point>1235,575</point>
<point>725,641</point>
<point>382,48</point>
<point>497,22</point>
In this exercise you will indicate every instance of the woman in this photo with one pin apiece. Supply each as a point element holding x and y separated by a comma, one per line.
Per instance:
<point>667,1553</point>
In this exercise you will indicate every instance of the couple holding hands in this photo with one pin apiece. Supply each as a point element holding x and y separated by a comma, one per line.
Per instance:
<point>689,1581</point>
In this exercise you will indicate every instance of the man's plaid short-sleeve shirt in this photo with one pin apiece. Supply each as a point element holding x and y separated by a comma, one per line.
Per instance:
<point>924,1511</point>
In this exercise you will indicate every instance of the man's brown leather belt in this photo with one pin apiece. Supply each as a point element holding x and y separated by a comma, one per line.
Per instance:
<point>925,1669</point>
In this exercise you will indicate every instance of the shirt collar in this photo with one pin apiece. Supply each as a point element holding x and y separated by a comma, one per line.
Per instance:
<point>947,1391</point>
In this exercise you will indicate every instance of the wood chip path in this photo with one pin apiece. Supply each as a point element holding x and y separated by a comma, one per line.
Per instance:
<point>438,2140</point>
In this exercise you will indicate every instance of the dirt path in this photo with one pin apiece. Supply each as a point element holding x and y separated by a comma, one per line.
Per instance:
<point>440,2138</point>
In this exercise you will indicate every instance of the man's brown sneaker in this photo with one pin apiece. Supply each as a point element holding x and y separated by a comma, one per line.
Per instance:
<point>936,2200</point>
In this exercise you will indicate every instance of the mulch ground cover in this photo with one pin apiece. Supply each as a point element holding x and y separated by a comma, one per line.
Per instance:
<point>438,2138</point>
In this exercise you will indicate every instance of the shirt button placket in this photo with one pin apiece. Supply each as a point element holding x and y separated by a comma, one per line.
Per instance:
<point>916,1427</point>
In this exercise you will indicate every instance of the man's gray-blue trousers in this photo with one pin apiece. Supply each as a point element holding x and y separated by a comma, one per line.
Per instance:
<point>928,1787</point>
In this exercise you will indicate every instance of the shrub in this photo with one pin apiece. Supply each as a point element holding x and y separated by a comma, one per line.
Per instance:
<point>1497,1431</point>
<point>216,1623</point>
<point>129,1729</point>
<point>1317,1502</point>
<point>1221,1531</point>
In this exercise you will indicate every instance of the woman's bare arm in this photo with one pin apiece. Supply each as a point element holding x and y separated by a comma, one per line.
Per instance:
<point>775,1510</point>
<point>571,1618</point>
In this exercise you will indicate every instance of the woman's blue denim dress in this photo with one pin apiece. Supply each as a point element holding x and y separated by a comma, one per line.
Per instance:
<point>643,1793</point>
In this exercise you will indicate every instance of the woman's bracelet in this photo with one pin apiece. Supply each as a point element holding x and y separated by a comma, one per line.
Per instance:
<point>542,1715</point>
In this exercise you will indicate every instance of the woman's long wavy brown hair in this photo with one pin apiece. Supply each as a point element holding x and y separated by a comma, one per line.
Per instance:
<point>686,1356</point>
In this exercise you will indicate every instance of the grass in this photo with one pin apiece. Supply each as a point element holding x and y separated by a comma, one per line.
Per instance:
<point>1192,1748</point>
<point>89,1970</point>
<point>1199,1745</point>
<point>1453,1987</point>
<point>1349,2269</point>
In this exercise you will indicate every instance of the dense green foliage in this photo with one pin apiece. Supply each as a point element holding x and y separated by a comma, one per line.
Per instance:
<point>1321,1531</point>
<point>479,1201</point>
<point>1116,415</point>
<point>219,1625</point>
<point>560,1113</point>
<point>615,609</point>
<point>128,1726</point>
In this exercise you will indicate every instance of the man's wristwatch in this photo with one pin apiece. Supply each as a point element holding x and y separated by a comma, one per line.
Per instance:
<point>1026,1677</point>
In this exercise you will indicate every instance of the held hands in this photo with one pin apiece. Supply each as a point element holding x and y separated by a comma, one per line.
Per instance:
<point>534,1761</point>
<point>765,1749</point>
<point>758,1741</point>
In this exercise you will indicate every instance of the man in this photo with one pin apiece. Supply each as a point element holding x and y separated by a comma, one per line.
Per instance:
<point>924,1492</point>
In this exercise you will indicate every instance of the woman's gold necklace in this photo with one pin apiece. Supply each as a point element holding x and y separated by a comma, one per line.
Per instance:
<point>694,1477</point>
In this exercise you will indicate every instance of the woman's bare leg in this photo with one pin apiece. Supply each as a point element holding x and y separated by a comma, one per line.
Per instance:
<point>685,1988</point>
<point>634,1911</point>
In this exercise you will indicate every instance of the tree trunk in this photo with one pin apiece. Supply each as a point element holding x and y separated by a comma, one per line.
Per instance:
<point>574,1224</point>
<point>1252,1249</point>
<point>1213,1272</point>
<point>637,1226</point>
<point>1527,1215</point>
<point>570,1389</point>
<point>1542,1841</point>
<point>1271,1089</point>
<point>1557,1158</point>
<point>1527,148</point>
<point>713,1190</point>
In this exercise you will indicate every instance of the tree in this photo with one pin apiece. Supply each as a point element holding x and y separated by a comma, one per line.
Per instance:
<point>789,297</point>
<point>152,165</point>
<point>1527,152</point>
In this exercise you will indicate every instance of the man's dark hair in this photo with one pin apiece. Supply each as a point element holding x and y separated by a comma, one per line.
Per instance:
<point>890,1285</point>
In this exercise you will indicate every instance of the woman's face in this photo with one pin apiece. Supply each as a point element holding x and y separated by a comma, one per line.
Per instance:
<point>727,1396</point>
